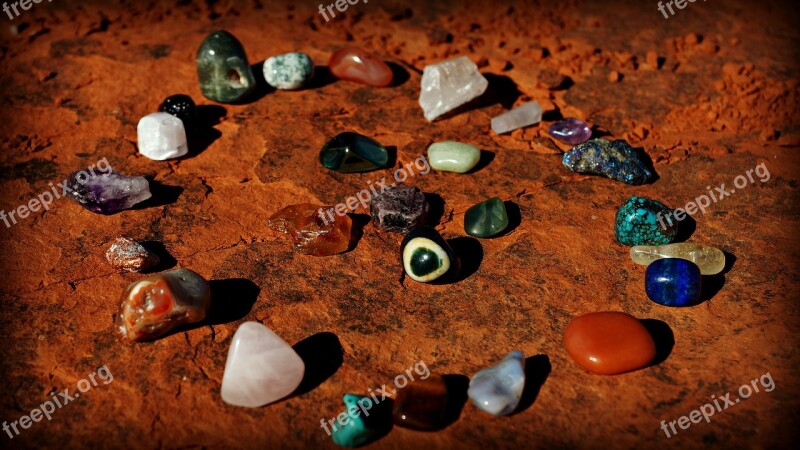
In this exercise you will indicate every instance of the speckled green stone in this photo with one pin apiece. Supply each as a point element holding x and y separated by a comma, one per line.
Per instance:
<point>486,219</point>
<point>289,70</point>
<point>358,429</point>
<point>222,68</point>
<point>641,221</point>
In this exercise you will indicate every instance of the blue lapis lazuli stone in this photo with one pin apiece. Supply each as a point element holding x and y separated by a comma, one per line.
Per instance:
<point>673,282</point>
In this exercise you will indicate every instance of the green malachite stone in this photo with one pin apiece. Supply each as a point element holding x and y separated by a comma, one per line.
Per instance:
<point>486,219</point>
<point>358,429</point>
<point>351,152</point>
<point>641,221</point>
<point>222,67</point>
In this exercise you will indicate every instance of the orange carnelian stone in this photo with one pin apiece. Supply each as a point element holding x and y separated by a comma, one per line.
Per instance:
<point>355,64</point>
<point>609,343</point>
<point>316,230</point>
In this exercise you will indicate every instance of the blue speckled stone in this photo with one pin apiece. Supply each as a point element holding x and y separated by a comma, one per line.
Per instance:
<point>641,221</point>
<point>673,282</point>
<point>616,160</point>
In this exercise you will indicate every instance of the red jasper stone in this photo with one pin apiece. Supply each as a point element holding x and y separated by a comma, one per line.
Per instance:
<point>609,343</point>
<point>355,64</point>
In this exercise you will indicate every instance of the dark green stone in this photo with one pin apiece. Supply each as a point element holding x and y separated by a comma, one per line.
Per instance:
<point>641,221</point>
<point>351,152</point>
<point>222,67</point>
<point>486,219</point>
<point>425,261</point>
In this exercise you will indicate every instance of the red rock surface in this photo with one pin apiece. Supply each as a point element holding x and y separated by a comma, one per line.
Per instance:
<point>708,93</point>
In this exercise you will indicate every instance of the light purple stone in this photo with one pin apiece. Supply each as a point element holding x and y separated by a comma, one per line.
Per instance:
<point>571,131</point>
<point>106,193</point>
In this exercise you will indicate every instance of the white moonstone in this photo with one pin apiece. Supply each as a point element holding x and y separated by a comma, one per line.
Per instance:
<point>519,117</point>
<point>448,85</point>
<point>498,389</point>
<point>162,136</point>
<point>261,367</point>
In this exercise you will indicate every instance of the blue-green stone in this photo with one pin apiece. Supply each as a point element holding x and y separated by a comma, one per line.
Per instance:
<point>351,152</point>
<point>641,221</point>
<point>359,429</point>
<point>222,68</point>
<point>486,219</point>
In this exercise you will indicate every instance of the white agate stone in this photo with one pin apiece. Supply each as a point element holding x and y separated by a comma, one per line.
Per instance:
<point>519,117</point>
<point>498,389</point>
<point>448,85</point>
<point>162,136</point>
<point>261,367</point>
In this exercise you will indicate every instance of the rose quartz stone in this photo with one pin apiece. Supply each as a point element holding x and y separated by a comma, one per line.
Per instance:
<point>355,64</point>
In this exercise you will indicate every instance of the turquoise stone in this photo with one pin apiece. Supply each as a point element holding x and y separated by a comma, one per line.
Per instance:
<point>452,156</point>
<point>222,67</point>
<point>427,257</point>
<point>351,152</point>
<point>641,221</point>
<point>357,430</point>
<point>486,219</point>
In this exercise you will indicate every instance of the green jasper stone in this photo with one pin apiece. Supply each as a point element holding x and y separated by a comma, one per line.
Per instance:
<point>351,152</point>
<point>641,221</point>
<point>486,219</point>
<point>452,156</point>
<point>357,430</point>
<point>222,67</point>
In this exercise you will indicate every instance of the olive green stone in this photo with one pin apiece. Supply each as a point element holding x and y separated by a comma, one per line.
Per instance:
<point>222,67</point>
<point>486,219</point>
<point>351,152</point>
<point>450,156</point>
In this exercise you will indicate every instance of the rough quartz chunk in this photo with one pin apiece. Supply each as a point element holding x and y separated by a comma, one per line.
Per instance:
<point>107,193</point>
<point>448,85</point>
<point>162,136</point>
<point>519,117</point>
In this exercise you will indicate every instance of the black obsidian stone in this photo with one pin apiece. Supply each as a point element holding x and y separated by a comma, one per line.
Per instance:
<point>181,106</point>
<point>427,257</point>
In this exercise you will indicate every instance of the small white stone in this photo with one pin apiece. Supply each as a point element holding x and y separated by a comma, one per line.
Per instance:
<point>261,367</point>
<point>519,117</point>
<point>162,136</point>
<point>447,85</point>
<point>498,389</point>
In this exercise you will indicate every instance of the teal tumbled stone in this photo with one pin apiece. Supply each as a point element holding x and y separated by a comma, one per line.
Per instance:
<point>486,219</point>
<point>641,221</point>
<point>222,68</point>
<point>351,152</point>
<point>358,429</point>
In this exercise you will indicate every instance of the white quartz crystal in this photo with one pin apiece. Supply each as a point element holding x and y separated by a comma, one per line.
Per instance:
<point>519,117</point>
<point>162,136</point>
<point>261,367</point>
<point>448,85</point>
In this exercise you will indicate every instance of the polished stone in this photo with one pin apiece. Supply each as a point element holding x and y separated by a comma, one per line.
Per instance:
<point>162,136</point>
<point>609,343</point>
<point>710,260</point>
<point>315,230</point>
<point>289,70</point>
<point>183,107</point>
<point>641,221</point>
<point>358,65</point>
<point>616,160</point>
<point>154,305</point>
<point>570,131</point>
<point>449,84</point>
<point>427,257</point>
<point>673,282</point>
<point>223,70</point>
<point>359,429</point>
<point>422,404</point>
<point>127,255</point>
<point>450,156</point>
<point>498,389</point>
<point>486,219</point>
<point>106,193</point>
<point>399,209</point>
<point>261,367</point>
<point>519,117</point>
<point>351,152</point>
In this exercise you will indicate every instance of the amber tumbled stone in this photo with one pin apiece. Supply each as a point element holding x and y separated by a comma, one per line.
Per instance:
<point>609,343</point>
<point>315,230</point>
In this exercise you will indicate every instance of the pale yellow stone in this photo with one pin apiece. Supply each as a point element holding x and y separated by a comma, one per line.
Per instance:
<point>710,260</point>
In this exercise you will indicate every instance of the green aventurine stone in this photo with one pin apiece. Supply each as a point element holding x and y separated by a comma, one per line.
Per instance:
<point>358,429</point>
<point>486,219</point>
<point>222,67</point>
<point>450,156</point>
<point>351,152</point>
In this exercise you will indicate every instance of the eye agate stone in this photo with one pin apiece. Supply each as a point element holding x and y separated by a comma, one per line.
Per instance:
<point>609,343</point>
<point>355,64</point>
<point>673,282</point>
<point>316,230</point>
<point>641,221</point>
<point>427,257</point>
<point>710,260</point>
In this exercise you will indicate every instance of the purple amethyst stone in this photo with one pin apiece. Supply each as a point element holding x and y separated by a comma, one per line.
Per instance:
<point>106,193</point>
<point>570,131</point>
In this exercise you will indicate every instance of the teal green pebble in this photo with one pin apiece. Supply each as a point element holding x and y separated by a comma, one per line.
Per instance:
<point>641,221</point>
<point>222,68</point>
<point>351,152</point>
<point>486,219</point>
<point>356,431</point>
<point>450,156</point>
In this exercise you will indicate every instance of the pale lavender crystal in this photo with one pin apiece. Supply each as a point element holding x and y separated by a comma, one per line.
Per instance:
<point>520,117</point>
<point>106,193</point>
<point>570,131</point>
